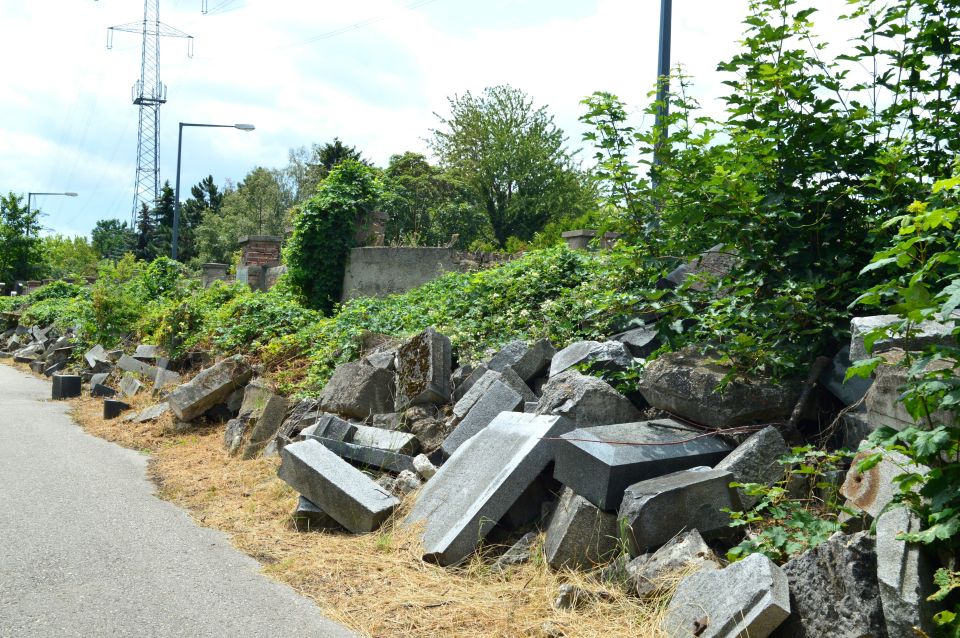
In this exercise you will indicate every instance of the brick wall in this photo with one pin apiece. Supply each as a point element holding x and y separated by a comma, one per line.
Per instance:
<point>260,250</point>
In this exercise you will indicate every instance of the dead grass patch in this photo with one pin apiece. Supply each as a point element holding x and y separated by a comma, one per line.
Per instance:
<point>376,584</point>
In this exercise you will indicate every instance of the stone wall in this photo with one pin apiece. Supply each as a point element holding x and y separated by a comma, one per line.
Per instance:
<point>375,271</point>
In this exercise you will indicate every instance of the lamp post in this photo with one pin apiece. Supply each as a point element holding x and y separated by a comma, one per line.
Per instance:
<point>30,196</point>
<point>176,198</point>
<point>663,77</point>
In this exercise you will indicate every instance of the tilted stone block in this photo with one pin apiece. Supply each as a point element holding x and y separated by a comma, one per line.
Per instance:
<point>423,370</point>
<point>579,535</point>
<point>342,491</point>
<point>210,387</point>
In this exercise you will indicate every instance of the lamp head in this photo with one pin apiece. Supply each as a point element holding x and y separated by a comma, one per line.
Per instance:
<point>244,127</point>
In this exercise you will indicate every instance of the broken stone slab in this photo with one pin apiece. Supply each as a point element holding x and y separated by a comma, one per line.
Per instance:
<point>392,441</point>
<point>330,426</point>
<point>365,456</point>
<point>210,387</point>
<point>305,413</point>
<point>234,432</point>
<point>152,413</point>
<point>658,509</point>
<point>834,590</point>
<point>423,370</point>
<point>430,429</point>
<point>684,383</point>
<point>66,386</point>
<point>477,389</point>
<point>756,461</point>
<point>904,575</point>
<point>358,390</point>
<point>99,378</point>
<point>113,408</point>
<point>310,518</point>
<point>608,355</point>
<point>265,425</point>
<point>498,398</point>
<point>650,574</point>
<point>923,334</point>
<point>481,481</point>
<point>129,364</point>
<point>342,491</point>
<point>475,375</point>
<point>424,468</point>
<point>51,370</point>
<point>519,553</point>
<point>407,481</point>
<point>639,342</point>
<point>147,353</point>
<point>518,385</point>
<point>386,359</point>
<point>166,379</point>
<point>848,391</point>
<point>585,401</point>
<point>38,366</point>
<point>129,385</point>
<point>746,598</point>
<point>579,534</point>
<point>873,490</point>
<point>882,400</point>
<point>526,361</point>
<point>599,463</point>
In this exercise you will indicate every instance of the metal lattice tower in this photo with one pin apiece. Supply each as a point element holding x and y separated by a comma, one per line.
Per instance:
<point>149,93</point>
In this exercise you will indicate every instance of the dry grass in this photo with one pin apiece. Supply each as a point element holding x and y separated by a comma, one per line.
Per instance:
<point>375,584</point>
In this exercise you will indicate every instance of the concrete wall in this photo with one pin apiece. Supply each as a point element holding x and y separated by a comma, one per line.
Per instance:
<point>375,271</point>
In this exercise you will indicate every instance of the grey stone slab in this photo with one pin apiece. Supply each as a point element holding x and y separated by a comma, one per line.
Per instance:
<point>66,386</point>
<point>526,361</point>
<point>305,413</point>
<point>650,574</point>
<point>599,463</point>
<point>607,355</point>
<point>398,442</point>
<point>330,426</point>
<point>658,509</point>
<point>498,398</point>
<point>477,389</point>
<point>481,481</point>
<point>147,353</point>
<point>265,426</point>
<point>166,379</point>
<point>715,263</point>
<point>50,370</point>
<point>308,517</point>
<point>366,456</point>
<point>475,375</point>
<point>530,407</point>
<point>639,342</point>
<point>129,385</point>
<point>585,400</point>
<point>904,575</point>
<point>152,413</point>
<point>235,431</point>
<point>834,591</point>
<point>519,553</point>
<point>923,334</point>
<point>747,598</point>
<point>579,535</point>
<point>386,359</point>
<point>873,490</point>
<point>210,387</point>
<point>129,364</point>
<point>882,400</point>
<point>358,390</point>
<point>756,461</point>
<point>424,364</point>
<point>685,383</point>
<point>339,489</point>
<point>38,366</point>
<point>99,378</point>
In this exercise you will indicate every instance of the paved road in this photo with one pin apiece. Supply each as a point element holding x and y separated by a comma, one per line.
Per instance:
<point>86,549</point>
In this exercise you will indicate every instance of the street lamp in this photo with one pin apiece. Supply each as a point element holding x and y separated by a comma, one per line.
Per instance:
<point>30,196</point>
<point>176,203</point>
<point>663,77</point>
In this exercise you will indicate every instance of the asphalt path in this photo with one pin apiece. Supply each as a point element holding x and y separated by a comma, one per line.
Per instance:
<point>87,549</point>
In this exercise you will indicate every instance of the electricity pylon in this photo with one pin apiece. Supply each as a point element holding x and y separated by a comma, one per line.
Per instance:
<point>149,93</point>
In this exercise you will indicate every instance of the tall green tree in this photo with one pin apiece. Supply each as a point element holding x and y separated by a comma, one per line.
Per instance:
<point>513,159</point>
<point>68,257</point>
<point>205,199</point>
<point>162,214</point>
<point>145,248</point>
<point>21,256</point>
<point>111,238</point>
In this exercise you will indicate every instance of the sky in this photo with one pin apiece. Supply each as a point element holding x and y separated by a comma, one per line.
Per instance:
<point>374,73</point>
